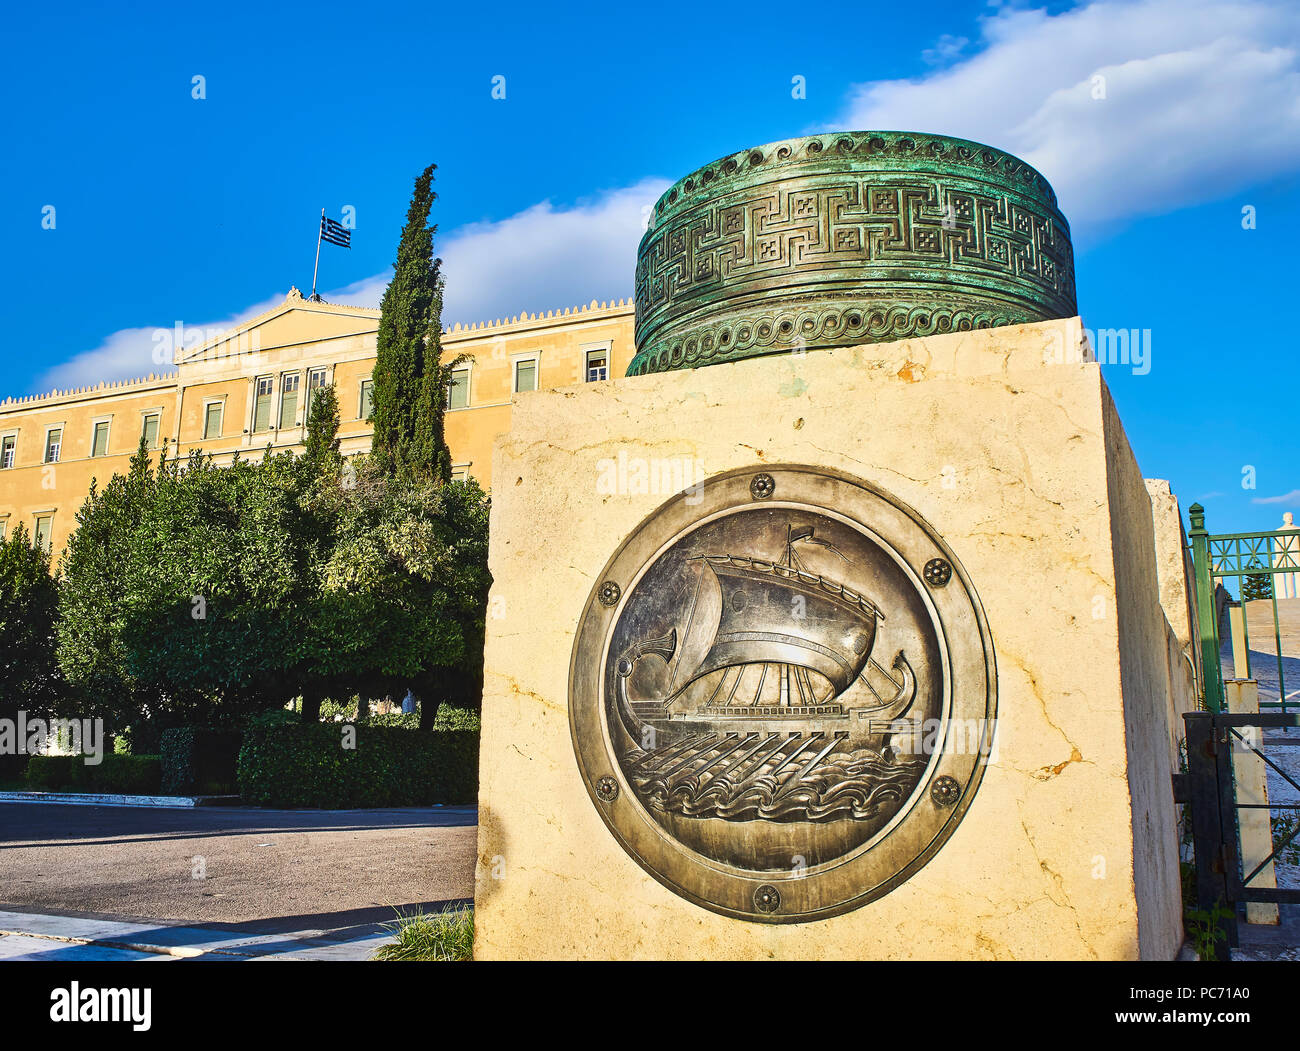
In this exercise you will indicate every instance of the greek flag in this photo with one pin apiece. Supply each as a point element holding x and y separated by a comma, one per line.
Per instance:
<point>335,233</point>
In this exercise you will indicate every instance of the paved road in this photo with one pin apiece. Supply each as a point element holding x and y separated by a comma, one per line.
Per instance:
<point>264,870</point>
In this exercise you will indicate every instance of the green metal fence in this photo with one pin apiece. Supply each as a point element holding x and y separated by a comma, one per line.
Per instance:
<point>1238,557</point>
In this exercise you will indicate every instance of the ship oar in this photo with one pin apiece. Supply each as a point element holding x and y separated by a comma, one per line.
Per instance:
<point>708,746</point>
<point>744,761</point>
<point>740,743</point>
<point>666,756</point>
<point>808,768</point>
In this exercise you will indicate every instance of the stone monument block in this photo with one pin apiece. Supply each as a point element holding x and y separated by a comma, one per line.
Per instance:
<point>853,654</point>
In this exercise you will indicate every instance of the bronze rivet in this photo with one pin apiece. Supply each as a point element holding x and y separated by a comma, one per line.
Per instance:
<point>945,791</point>
<point>937,572</point>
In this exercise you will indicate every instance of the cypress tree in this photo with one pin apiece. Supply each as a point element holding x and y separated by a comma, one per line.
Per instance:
<point>410,378</point>
<point>1256,585</point>
<point>322,444</point>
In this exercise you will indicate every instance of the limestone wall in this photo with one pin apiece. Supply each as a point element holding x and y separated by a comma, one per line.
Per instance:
<point>1020,463</point>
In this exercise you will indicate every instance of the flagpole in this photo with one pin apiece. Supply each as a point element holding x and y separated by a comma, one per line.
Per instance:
<point>316,269</point>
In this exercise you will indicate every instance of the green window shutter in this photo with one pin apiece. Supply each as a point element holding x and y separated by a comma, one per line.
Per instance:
<point>44,528</point>
<point>525,376</point>
<point>315,381</point>
<point>458,392</point>
<point>100,445</point>
<point>367,399</point>
<point>288,407</point>
<point>212,421</point>
<point>151,432</point>
<point>262,409</point>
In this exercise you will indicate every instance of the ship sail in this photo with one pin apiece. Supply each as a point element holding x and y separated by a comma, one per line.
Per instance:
<point>748,611</point>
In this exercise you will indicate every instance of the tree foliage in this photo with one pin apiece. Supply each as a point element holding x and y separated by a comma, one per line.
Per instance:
<point>410,376</point>
<point>1256,585</point>
<point>29,678</point>
<point>182,588</point>
<point>193,594</point>
<point>322,441</point>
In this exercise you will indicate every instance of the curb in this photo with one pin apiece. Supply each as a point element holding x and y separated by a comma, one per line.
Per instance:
<point>106,799</point>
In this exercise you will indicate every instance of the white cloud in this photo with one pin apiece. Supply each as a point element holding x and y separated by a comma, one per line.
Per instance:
<point>1293,497</point>
<point>538,259</point>
<point>1202,99</point>
<point>946,48</point>
<point>131,353</point>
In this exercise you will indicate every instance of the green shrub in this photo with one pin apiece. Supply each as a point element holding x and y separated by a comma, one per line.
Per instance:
<point>452,718</point>
<point>442,936</point>
<point>309,766</point>
<point>12,768</point>
<point>139,775</point>
<point>401,720</point>
<point>197,760</point>
<point>448,718</point>
<point>276,717</point>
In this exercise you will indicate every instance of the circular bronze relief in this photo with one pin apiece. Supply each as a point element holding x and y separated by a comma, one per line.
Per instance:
<point>797,720</point>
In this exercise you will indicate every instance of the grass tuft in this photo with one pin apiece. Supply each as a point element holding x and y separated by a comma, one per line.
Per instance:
<point>442,936</point>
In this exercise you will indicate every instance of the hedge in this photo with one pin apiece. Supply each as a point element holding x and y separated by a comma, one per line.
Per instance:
<point>199,761</point>
<point>139,775</point>
<point>447,718</point>
<point>311,766</point>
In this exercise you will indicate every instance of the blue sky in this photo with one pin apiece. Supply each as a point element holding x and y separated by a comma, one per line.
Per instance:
<point>170,208</point>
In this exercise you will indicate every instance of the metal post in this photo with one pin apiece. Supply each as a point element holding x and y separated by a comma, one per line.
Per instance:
<point>1277,642</point>
<point>316,269</point>
<point>1206,626</point>
<point>1207,829</point>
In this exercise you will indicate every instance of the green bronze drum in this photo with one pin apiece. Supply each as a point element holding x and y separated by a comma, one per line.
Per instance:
<point>841,239</point>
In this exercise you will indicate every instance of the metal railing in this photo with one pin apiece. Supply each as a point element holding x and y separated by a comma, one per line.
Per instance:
<point>1209,790</point>
<point>1274,555</point>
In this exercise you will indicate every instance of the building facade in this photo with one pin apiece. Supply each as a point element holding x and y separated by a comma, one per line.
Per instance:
<point>251,387</point>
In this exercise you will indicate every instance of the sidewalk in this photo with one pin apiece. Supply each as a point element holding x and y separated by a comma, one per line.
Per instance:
<point>40,936</point>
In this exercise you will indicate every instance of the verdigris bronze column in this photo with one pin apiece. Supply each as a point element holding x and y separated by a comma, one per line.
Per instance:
<point>842,239</point>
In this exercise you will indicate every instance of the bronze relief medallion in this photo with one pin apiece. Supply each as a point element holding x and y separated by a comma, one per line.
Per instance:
<point>782,694</point>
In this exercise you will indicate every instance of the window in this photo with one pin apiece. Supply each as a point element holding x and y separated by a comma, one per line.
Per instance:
<point>53,444</point>
<point>4,527</point>
<point>7,444</point>
<point>262,404</point>
<point>315,381</point>
<point>44,532</point>
<point>149,430</point>
<point>367,399</point>
<point>212,420</point>
<point>289,398</point>
<point>99,446</point>
<point>458,389</point>
<point>460,474</point>
<point>597,365</point>
<point>525,375</point>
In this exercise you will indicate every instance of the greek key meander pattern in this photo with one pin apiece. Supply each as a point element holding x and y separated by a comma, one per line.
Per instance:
<point>825,257</point>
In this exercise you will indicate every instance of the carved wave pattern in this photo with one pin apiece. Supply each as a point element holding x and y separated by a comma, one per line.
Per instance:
<point>858,785</point>
<point>734,337</point>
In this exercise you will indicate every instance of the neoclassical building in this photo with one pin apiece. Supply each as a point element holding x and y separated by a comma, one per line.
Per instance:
<point>250,388</point>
